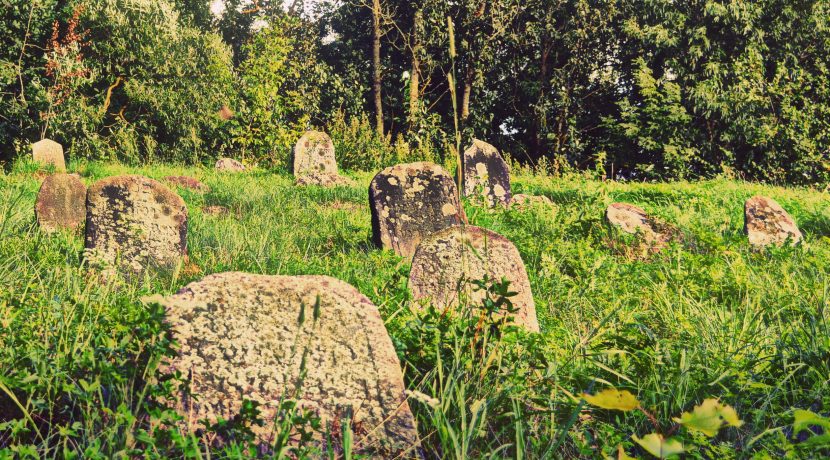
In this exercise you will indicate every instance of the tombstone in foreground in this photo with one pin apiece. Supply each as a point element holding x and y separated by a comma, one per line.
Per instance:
<point>134,223</point>
<point>314,154</point>
<point>411,201</point>
<point>767,223</point>
<point>485,174</point>
<point>61,203</point>
<point>247,336</point>
<point>448,262</point>
<point>229,165</point>
<point>48,152</point>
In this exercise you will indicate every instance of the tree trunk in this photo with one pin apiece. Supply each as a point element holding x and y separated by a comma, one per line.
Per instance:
<point>468,89</point>
<point>415,77</point>
<point>377,77</point>
<point>541,115</point>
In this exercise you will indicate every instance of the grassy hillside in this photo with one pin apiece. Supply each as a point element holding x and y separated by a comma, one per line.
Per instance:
<point>706,318</point>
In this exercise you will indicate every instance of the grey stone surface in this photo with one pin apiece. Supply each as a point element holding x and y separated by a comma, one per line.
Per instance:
<point>134,223</point>
<point>61,203</point>
<point>447,262</point>
<point>253,336</point>
<point>314,154</point>
<point>767,223</point>
<point>49,152</point>
<point>411,201</point>
<point>229,165</point>
<point>485,175</point>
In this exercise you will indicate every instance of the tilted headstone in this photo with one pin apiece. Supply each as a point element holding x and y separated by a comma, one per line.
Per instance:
<point>448,262</point>
<point>49,152</point>
<point>411,201</point>
<point>229,165</point>
<point>135,223</point>
<point>485,174</point>
<point>314,154</point>
<point>767,223</point>
<point>252,337</point>
<point>632,219</point>
<point>187,182</point>
<point>61,203</point>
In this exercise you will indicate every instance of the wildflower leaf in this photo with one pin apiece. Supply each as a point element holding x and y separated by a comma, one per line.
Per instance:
<point>613,399</point>
<point>656,445</point>
<point>805,419</point>
<point>709,417</point>
<point>621,455</point>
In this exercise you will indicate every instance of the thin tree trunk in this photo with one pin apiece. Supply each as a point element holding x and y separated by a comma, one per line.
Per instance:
<point>468,89</point>
<point>377,77</point>
<point>415,77</point>
<point>539,128</point>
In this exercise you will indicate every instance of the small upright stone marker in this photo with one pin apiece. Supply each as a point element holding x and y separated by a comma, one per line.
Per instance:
<point>411,201</point>
<point>61,203</point>
<point>767,223</point>
<point>485,174</point>
<point>229,165</point>
<point>189,183</point>
<point>449,261</point>
<point>134,223</point>
<point>314,154</point>
<point>248,337</point>
<point>49,152</point>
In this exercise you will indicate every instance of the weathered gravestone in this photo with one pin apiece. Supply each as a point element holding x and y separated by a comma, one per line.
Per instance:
<point>410,201</point>
<point>61,203</point>
<point>522,201</point>
<point>49,152</point>
<point>448,262</point>
<point>633,220</point>
<point>229,165</point>
<point>485,174</point>
<point>253,336</point>
<point>187,183</point>
<point>324,180</point>
<point>134,223</point>
<point>314,154</point>
<point>767,223</point>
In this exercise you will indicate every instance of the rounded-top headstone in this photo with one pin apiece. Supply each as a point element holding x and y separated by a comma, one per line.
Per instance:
<point>485,174</point>
<point>630,219</point>
<point>229,165</point>
<point>314,154</point>
<point>133,222</point>
<point>411,201</point>
<point>448,262</point>
<point>767,223</point>
<point>49,152</point>
<point>61,203</point>
<point>313,339</point>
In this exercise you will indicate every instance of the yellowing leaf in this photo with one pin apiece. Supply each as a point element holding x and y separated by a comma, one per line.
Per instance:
<point>613,399</point>
<point>804,419</point>
<point>621,455</point>
<point>709,417</point>
<point>656,445</point>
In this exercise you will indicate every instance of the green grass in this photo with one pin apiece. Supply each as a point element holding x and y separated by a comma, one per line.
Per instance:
<point>706,318</point>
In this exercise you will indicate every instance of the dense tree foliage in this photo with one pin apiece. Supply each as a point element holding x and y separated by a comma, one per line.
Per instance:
<point>642,89</point>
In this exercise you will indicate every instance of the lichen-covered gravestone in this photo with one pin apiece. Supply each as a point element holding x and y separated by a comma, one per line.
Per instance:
<point>411,201</point>
<point>49,152</point>
<point>485,174</point>
<point>522,201</point>
<point>61,203</point>
<point>314,154</point>
<point>252,337</point>
<point>135,223</point>
<point>632,219</point>
<point>229,165</point>
<point>188,183</point>
<point>448,262</point>
<point>767,223</point>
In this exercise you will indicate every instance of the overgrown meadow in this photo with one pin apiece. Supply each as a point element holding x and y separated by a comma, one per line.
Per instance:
<point>706,318</point>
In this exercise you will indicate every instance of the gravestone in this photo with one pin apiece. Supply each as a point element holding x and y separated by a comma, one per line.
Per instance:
<point>247,336</point>
<point>485,174</point>
<point>767,223</point>
<point>133,222</point>
<point>61,203</point>
<point>522,201</point>
<point>449,261</point>
<point>49,152</point>
<point>410,201</point>
<point>229,165</point>
<point>324,180</point>
<point>632,219</point>
<point>314,154</point>
<point>187,183</point>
